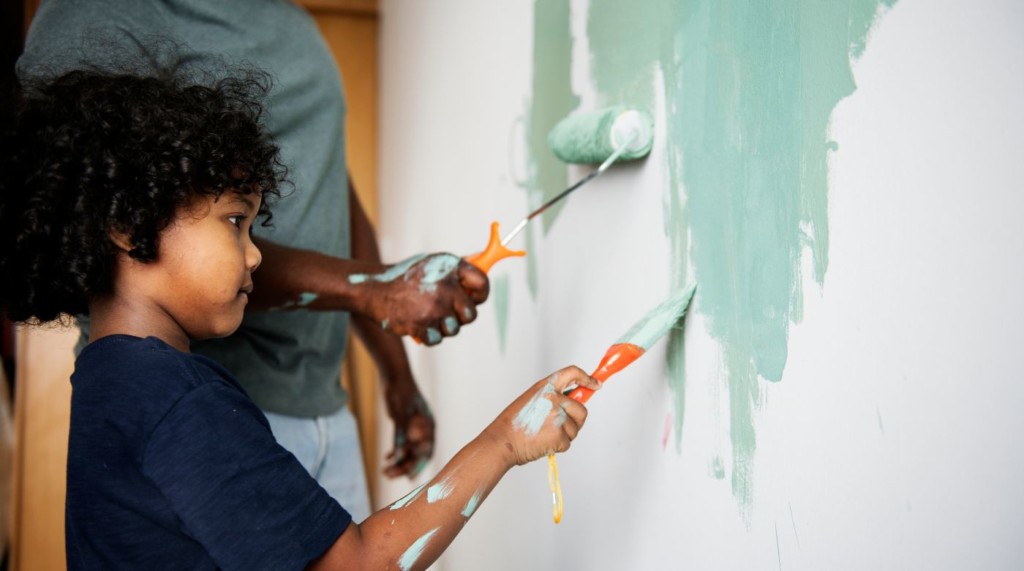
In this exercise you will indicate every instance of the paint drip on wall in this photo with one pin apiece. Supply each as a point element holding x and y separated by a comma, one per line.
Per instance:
<point>749,89</point>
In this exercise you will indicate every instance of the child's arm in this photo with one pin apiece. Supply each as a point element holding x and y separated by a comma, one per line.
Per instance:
<point>414,531</point>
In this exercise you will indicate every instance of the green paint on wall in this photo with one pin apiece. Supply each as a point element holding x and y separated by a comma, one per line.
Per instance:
<point>499,293</point>
<point>553,99</point>
<point>749,89</point>
<point>716,469</point>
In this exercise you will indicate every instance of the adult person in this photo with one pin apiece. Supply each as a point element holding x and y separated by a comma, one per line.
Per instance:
<point>288,356</point>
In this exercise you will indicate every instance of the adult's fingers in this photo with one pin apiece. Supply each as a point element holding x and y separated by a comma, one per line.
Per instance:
<point>465,309</point>
<point>474,282</point>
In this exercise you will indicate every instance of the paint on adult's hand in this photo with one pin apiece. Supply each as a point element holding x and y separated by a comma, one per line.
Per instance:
<point>437,268</point>
<point>391,274</point>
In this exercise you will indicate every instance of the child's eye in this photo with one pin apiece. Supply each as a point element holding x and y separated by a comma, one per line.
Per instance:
<point>236,220</point>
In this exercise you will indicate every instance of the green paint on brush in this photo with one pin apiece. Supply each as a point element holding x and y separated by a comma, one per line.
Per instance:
<point>749,91</point>
<point>499,293</point>
<point>658,321</point>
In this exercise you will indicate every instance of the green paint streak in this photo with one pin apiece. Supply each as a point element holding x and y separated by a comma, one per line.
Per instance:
<point>499,293</point>
<point>415,550</point>
<point>408,498</point>
<point>553,99</point>
<point>750,88</point>
<point>624,39</point>
<point>716,468</point>
<point>471,505</point>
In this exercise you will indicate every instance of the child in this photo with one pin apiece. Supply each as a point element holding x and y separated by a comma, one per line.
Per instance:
<point>131,198</point>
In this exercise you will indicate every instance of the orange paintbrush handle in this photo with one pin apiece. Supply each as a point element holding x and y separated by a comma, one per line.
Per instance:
<point>493,253</point>
<point>618,357</point>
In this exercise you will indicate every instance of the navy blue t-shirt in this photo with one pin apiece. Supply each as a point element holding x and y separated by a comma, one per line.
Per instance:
<point>172,466</point>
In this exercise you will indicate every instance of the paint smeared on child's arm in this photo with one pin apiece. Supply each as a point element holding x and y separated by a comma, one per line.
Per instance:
<point>415,550</point>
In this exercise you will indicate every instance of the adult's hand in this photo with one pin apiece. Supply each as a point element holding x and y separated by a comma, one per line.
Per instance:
<point>427,296</point>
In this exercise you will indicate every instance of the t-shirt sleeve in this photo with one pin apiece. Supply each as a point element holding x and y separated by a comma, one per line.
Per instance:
<point>69,35</point>
<point>246,499</point>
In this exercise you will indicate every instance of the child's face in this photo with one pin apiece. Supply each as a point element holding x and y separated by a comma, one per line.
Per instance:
<point>206,259</point>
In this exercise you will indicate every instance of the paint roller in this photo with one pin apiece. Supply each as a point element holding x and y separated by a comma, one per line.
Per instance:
<point>603,136</point>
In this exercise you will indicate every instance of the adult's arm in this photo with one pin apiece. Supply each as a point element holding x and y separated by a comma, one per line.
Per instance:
<point>414,424</point>
<point>426,296</point>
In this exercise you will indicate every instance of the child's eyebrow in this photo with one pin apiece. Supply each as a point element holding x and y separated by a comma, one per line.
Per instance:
<point>248,201</point>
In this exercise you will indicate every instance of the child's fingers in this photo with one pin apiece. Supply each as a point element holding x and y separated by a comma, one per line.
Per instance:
<point>571,427</point>
<point>590,382</point>
<point>563,444</point>
<point>572,376</point>
<point>576,412</point>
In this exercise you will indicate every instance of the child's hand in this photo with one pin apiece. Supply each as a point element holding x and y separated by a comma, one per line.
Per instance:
<point>543,419</point>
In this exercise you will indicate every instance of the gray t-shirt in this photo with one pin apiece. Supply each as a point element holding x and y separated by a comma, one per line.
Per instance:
<point>288,362</point>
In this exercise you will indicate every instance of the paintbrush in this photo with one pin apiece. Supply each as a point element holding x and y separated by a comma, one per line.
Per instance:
<point>644,334</point>
<point>641,337</point>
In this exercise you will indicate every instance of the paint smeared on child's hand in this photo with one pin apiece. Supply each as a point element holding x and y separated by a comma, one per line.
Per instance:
<point>533,414</point>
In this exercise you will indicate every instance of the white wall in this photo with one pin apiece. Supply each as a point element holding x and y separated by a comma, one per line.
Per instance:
<point>892,440</point>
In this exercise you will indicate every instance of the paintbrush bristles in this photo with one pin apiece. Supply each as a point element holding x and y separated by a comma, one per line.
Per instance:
<point>659,320</point>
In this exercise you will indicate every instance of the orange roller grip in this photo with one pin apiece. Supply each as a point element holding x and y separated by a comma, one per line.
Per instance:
<point>493,253</point>
<point>618,357</point>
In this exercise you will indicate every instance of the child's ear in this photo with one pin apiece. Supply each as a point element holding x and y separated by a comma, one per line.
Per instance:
<point>121,240</point>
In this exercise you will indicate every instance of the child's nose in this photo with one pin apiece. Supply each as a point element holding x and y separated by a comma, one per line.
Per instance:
<point>253,256</point>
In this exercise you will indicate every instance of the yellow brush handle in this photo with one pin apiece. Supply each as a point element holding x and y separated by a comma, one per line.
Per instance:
<point>493,253</point>
<point>556,488</point>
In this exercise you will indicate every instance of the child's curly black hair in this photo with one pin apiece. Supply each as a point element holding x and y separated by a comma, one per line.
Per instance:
<point>92,153</point>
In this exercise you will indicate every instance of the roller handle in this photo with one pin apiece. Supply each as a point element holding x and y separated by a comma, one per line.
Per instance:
<point>618,357</point>
<point>493,253</point>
